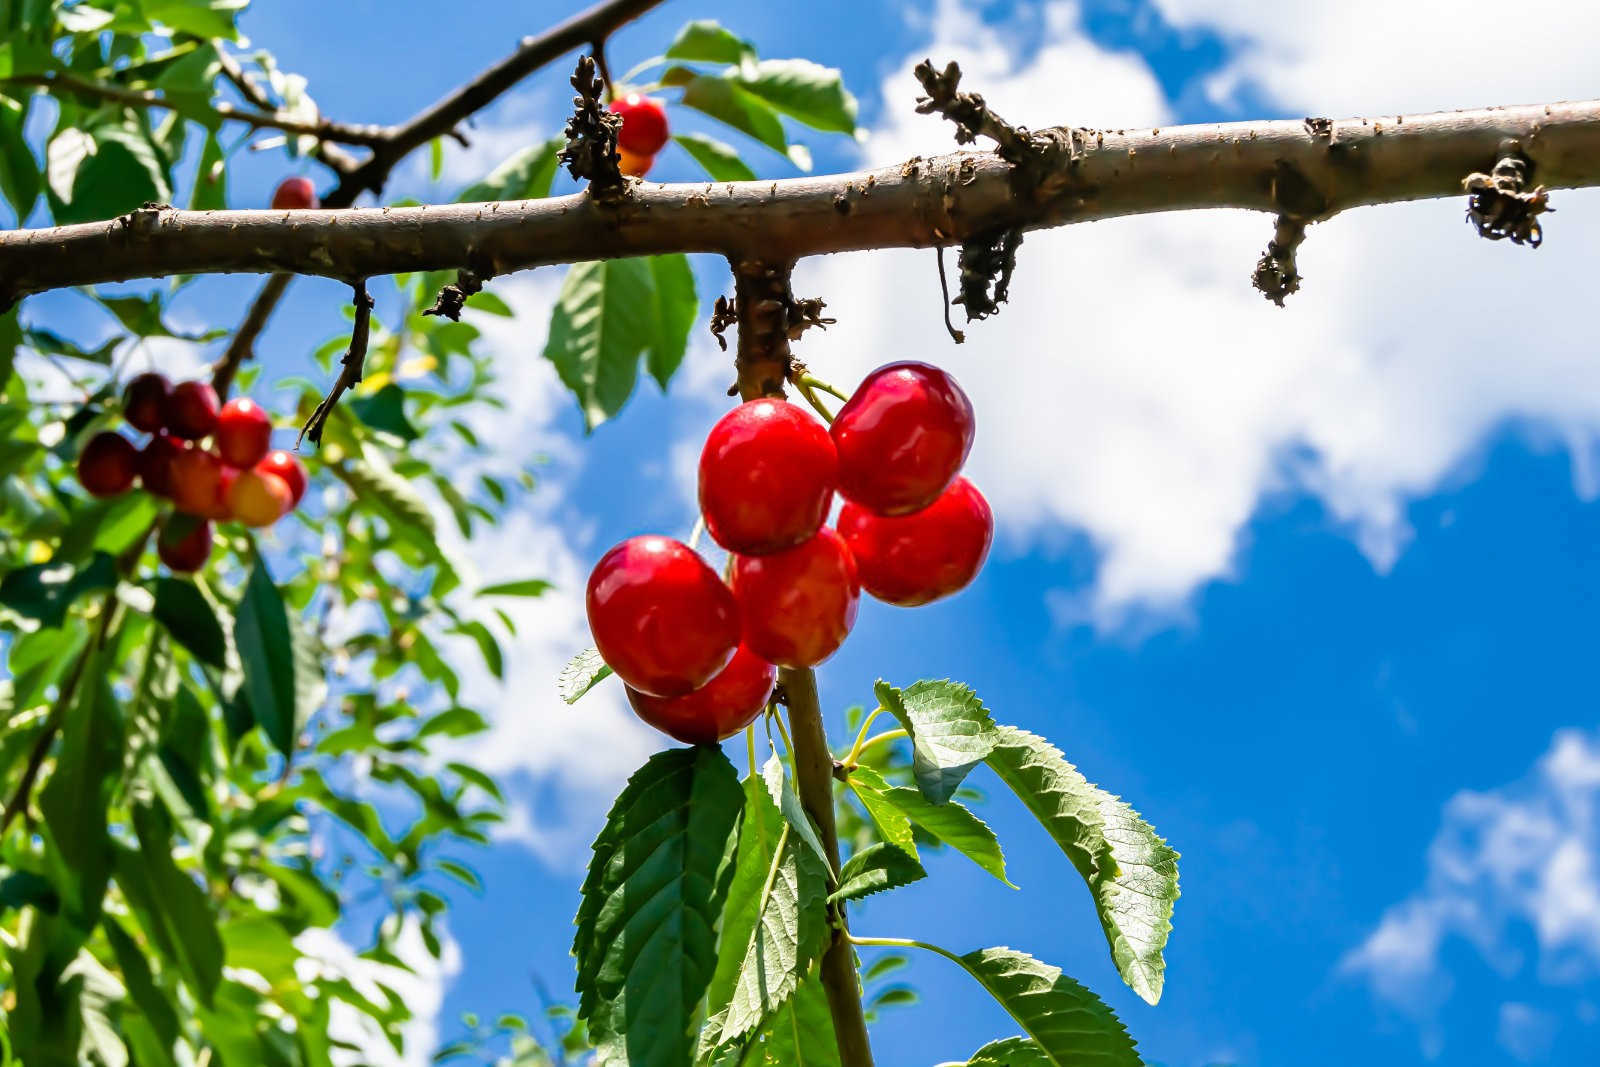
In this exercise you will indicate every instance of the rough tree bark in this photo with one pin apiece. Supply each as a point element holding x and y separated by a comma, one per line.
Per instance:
<point>1310,170</point>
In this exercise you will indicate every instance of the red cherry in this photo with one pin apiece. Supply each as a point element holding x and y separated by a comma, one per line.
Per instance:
<point>155,464</point>
<point>644,124</point>
<point>720,708</point>
<point>144,402</point>
<point>295,194</point>
<point>902,438</point>
<point>767,474</point>
<point>107,464</point>
<point>256,498</point>
<point>244,432</point>
<point>184,543</point>
<point>917,558</point>
<point>634,166</point>
<point>798,605</point>
<point>197,483</point>
<point>191,410</point>
<point>661,618</point>
<point>287,467</point>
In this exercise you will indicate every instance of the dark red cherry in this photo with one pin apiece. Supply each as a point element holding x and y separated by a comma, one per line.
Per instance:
<point>917,558</point>
<point>107,464</point>
<point>144,402</point>
<point>287,467</point>
<point>767,474</point>
<point>244,432</point>
<point>661,618</point>
<point>644,124</point>
<point>184,542</point>
<point>798,605</point>
<point>191,410</point>
<point>902,438</point>
<point>294,194</point>
<point>720,708</point>
<point>198,483</point>
<point>155,464</point>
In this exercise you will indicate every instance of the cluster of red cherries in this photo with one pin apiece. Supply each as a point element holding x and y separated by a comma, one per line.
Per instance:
<point>238,478</point>
<point>700,658</point>
<point>643,133</point>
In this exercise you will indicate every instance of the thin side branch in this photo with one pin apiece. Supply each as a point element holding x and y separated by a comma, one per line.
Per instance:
<point>243,343</point>
<point>1276,274</point>
<point>1275,167</point>
<point>350,367</point>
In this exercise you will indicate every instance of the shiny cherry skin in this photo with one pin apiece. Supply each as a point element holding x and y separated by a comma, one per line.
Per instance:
<point>902,438</point>
<point>719,709</point>
<point>155,464</point>
<point>644,124</point>
<point>256,498</point>
<point>918,558</point>
<point>107,465</point>
<point>184,543</point>
<point>144,402</point>
<point>767,474</point>
<point>798,605</point>
<point>197,483</point>
<point>286,466</point>
<point>661,618</point>
<point>295,194</point>
<point>634,166</point>
<point>244,432</point>
<point>191,410</point>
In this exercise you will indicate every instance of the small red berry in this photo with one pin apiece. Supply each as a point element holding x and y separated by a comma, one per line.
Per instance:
<point>244,432</point>
<point>155,464</point>
<point>767,474</point>
<point>197,483</point>
<point>902,438</point>
<point>917,558</point>
<point>107,464</point>
<point>635,166</point>
<point>295,194</point>
<point>256,498</point>
<point>184,543</point>
<point>720,708</point>
<point>144,402</point>
<point>661,618</point>
<point>798,605</point>
<point>287,467</point>
<point>191,410</point>
<point>644,124</point>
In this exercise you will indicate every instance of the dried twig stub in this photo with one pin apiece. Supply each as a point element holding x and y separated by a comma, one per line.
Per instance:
<point>1499,204</point>
<point>986,264</point>
<point>591,151</point>
<point>1276,274</point>
<point>452,298</point>
<point>350,367</point>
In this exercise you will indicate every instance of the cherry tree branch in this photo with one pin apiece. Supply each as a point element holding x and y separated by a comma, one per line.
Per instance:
<point>1309,170</point>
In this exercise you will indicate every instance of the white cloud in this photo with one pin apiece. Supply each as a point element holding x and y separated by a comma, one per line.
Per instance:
<point>1526,1032</point>
<point>1138,390</point>
<point>421,989</point>
<point>1522,857</point>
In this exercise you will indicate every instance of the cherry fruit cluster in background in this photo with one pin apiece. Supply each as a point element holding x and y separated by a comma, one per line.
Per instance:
<point>699,656</point>
<point>213,461</point>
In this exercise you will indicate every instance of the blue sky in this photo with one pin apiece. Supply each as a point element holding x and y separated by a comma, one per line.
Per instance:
<point>1313,589</point>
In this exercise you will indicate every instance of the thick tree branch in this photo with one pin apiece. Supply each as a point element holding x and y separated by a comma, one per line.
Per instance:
<point>1278,167</point>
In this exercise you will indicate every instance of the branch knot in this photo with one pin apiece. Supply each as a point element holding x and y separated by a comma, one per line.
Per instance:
<point>591,150</point>
<point>1499,205</point>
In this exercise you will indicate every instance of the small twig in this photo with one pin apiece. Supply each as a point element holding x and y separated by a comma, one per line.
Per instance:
<point>591,150</point>
<point>242,346</point>
<point>350,366</point>
<point>1499,207</point>
<point>598,50</point>
<point>970,113</point>
<point>1276,274</point>
<point>944,299</point>
<point>452,298</point>
<point>722,316</point>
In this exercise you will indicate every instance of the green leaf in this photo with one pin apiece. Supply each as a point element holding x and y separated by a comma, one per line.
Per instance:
<point>581,674</point>
<point>461,873</point>
<point>24,889</point>
<point>135,968</point>
<point>800,1033</point>
<point>181,906</point>
<point>805,91</point>
<point>777,783</point>
<point>725,100</point>
<point>203,18</point>
<point>719,160</point>
<point>19,171</point>
<point>1131,872</point>
<point>261,634</point>
<point>951,732</point>
<point>952,823</point>
<point>526,587</point>
<point>1069,1024</point>
<point>99,175</point>
<point>385,410</point>
<point>607,316</point>
<point>527,175</point>
<point>1009,1052</point>
<point>488,647</point>
<point>376,483</point>
<point>210,178</point>
<point>656,885</point>
<point>44,591</point>
<point>708,41</point>
<point>75,799</point>
<point>893,824</point>
<point>188,617</point>
<point>878,867</point>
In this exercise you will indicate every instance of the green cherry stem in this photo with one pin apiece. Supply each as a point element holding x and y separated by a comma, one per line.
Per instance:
<point>817,405</point>
<point>887,735</point>
<point>813,382</point>
<point>861,737</point>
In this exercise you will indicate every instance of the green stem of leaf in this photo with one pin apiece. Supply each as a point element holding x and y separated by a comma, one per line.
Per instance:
<point>886,736</point>
<point>854,754</point>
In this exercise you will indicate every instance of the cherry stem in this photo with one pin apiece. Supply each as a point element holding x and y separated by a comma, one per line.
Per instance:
<point>888,735</point>
<point>694,534</point>
<point>861,736</point>
<point>804,389</point>
<point>817,383</point>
